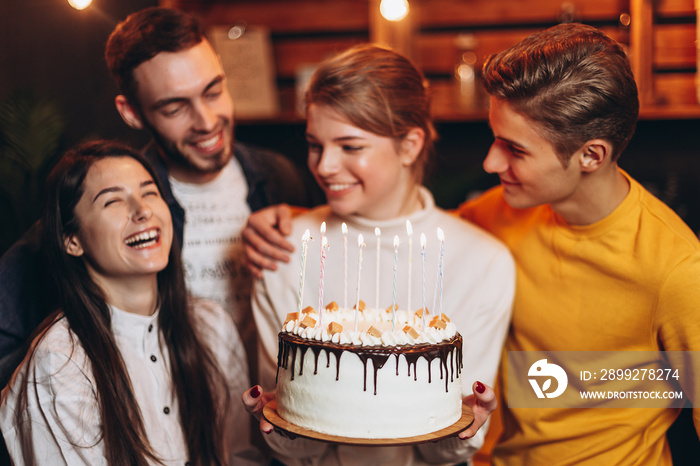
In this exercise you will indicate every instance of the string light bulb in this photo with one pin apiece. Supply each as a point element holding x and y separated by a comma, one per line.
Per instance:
<point>394,10</point>
<point>79,4</point>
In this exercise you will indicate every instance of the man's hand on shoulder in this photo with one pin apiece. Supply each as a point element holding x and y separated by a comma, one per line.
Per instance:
<point>264,238</point>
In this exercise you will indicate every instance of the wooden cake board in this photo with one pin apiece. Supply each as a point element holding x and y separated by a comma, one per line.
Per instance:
<point>271,415</point>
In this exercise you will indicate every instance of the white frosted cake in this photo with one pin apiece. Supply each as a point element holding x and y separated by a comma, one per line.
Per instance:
<point>371,383</point>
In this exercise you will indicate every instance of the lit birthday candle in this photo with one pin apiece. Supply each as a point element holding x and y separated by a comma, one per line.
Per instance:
<point>378,234</point>
<point>396,262</point>
<point>324,247</point>
<point>344,229</point>
<point>441,237</point>
<point>360,245</point>
<point>438,273</point>
<point>304,248</point>
<point>320,291</point>
<point>323,233</point>
<point>409,232</point>
<point>422,252</point>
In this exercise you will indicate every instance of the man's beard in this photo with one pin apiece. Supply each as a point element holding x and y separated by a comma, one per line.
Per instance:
<point>173,156</point>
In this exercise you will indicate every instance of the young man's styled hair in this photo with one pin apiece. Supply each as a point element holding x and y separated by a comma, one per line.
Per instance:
<point>142,36</point>
<point>573,81</point>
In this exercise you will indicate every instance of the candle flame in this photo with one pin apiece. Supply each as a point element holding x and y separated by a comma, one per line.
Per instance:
<point>323,228</point>
<point>440,234</point>
<point>344,228</point>
<point>306,236</point>
<point>377,231</point>
<point>423,240</point>
<point>360,240</point>
<point>396,241</point>
<point>409,228</point>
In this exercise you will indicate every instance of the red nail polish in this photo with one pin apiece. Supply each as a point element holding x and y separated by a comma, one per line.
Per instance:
<point>255,392</point>
<point>480,387</point>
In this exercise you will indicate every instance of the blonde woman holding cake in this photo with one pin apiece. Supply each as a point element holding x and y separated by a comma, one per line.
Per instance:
<point>370,136</point>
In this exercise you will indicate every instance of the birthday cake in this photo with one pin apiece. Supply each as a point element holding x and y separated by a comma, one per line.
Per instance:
<point>369,373</point>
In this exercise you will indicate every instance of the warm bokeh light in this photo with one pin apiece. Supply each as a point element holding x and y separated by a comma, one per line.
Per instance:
<point>394,10</point>
<point>79,4</point>
<point>465,72</point>
<point>236,32</point>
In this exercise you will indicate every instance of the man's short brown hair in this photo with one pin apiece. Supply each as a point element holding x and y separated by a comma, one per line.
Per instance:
<point>142,36</point>
<point>574,81</point>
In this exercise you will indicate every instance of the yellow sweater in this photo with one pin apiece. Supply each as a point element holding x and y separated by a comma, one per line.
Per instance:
<point>630,282</point>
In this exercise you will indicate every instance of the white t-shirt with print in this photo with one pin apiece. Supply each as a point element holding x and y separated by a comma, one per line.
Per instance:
<point>212,253</point>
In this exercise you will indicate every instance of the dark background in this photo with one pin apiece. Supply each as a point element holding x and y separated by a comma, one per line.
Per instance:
<point>56,52</point>
<point>49,47</point>
<point>50,52</point>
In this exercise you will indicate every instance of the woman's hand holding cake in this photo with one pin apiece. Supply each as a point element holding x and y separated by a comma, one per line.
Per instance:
<point>482,403</point>
<point>254,400</point>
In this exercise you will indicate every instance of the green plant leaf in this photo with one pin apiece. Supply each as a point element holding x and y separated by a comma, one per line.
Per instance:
<point>30,129</point>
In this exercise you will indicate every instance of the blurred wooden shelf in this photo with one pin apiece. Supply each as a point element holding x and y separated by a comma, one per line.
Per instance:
<point>660,38</point>
<point>454,115</point>
<point>670,112</point>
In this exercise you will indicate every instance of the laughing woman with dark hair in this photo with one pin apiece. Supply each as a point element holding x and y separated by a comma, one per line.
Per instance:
<point>128,370</point>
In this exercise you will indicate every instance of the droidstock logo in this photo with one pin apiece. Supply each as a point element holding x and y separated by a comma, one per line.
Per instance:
<point>542,370</point>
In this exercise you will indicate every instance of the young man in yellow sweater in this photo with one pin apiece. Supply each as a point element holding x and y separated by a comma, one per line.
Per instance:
<point>604,269</point>
<point>603,265</point>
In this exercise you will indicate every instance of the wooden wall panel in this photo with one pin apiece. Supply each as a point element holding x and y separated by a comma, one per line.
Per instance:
<point>292,53</point>
<point>438,53</point>
<point>292,16</point>
<point>512,12</point>
<point>674,46</point>
<point>307,31</point>
<point>674,7</point>
<point>675,89</point>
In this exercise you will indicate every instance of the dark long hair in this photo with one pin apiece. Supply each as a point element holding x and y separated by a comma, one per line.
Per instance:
<point>197,380</point>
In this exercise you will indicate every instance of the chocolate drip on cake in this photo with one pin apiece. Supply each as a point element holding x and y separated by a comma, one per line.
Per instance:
<point>450,349</point>
<point>378,361</point>
<point>284,349</point>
